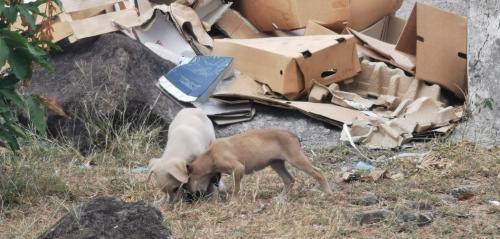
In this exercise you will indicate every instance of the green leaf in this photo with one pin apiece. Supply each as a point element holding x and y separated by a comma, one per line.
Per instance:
<point>7,136</point>
<point>4,52</point>
<point>2,6</point>
<point>9,82</point>
<point>12,95</point>
<point>26,15</point>
<point>13,39</point>
<point>15,130</point>
<point>20,63</point>
<point>36,114</point>
<point>10,13</point>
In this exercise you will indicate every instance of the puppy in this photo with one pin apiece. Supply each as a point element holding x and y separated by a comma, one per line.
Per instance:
<point>249,152</point>
<point>189,135</point>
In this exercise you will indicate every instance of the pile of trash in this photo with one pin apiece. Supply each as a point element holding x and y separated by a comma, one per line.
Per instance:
<point>350,63</point>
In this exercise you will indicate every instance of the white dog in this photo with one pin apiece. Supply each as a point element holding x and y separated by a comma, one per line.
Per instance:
<point>189,135</point>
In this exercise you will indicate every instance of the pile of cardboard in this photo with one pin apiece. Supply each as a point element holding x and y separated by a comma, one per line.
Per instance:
<point>350,63</point>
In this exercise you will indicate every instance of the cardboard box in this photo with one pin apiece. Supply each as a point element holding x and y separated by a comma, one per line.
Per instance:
<point>365,13</point>
<point>292,14</point>
<point>432,45</point>
<point>439,40</point>
<point>290,65</point>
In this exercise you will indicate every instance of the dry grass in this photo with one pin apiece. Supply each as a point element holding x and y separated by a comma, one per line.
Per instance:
<point>47,179</point>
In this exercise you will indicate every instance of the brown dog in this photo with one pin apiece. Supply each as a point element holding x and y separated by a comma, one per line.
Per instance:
<point>249,152</point>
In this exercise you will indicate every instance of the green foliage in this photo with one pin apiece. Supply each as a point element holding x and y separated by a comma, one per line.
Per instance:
<point>20,50</point>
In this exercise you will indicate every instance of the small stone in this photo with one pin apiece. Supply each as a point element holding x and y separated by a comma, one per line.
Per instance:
<point>412,217</point>
<point>463,192</point>
<point>367,199</point>
<point>397,176</point>
<point>370,217</point>
<point>350,176</point>
<point>376,175</point>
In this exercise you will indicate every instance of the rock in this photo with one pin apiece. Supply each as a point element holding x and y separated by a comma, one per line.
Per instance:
<point>110,74</point>
<point>367,199</point>
<point>370,217</point>
<point>110,218</point>
<point>376,175</point>
<point>463,192</point>
<point>350,177</point>
<point>397,176</point>
<point>413,217</point>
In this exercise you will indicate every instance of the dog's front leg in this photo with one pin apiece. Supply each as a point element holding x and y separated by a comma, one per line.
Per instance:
<point>238,173</point>
<point>231,166</point>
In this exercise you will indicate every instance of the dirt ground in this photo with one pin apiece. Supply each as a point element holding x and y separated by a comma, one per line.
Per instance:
<point>451,186</point>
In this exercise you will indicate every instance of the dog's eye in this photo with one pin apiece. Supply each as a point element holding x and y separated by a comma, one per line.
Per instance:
<point>176,189</point>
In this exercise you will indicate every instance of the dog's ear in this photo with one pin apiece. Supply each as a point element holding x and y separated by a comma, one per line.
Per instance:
<point>180,173</point>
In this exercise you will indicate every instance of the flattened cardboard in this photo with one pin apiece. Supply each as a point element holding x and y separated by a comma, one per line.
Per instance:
<point>293,14</point>
<point>102,24</point>
<point>439,39</point>
<point>420,116</point>
<point>243,86</point>
<point>290,65</point>
<point>377,79</point>
<point>235,26</point>
<point>365,13</point>
<point>80,5</point>
<point>386,52</point>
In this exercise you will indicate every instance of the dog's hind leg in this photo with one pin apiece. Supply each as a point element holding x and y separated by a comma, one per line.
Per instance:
<point>279,167</point>
<point>300,161</point>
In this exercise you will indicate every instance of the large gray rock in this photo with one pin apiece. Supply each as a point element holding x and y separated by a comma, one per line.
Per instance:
<point>110,218</point>
<point>482,125</point>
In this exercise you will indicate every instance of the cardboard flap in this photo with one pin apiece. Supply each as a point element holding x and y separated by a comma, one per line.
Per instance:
<point>190,23</point>
<point>408,39</point>
<point>388,29</point>
<point>442,48</point>
<point>400,59</point>
<point>236,26</point>
<point>314,28</point>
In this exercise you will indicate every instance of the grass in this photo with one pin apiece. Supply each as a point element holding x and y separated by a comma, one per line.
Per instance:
<point>49,178</point>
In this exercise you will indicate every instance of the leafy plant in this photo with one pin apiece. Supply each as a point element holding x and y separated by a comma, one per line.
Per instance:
<point>25,37</point>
